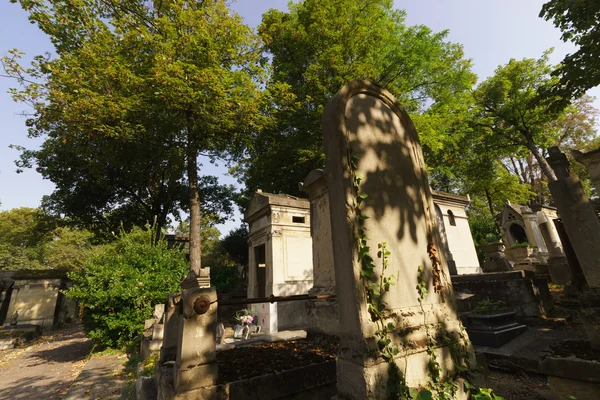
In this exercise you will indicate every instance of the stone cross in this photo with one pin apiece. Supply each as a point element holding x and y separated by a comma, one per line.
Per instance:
<point>369,137</point>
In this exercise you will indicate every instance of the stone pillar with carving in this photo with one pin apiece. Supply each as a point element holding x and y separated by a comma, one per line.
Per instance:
<point>558,266</point>
<point>196,366</point>
<point>591,160</point>
<point>534,235</point>
<point>323,314</point>
<point>171,334</point>
<point>578,216</point>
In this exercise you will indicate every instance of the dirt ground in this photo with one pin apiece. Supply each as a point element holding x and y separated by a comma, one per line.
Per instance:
<point>520,386</point>
<point>45,369</point>
<point>268,358</point>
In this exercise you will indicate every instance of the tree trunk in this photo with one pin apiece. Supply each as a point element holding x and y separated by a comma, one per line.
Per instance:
<point>192,167</point>
<point>546,169</point>
<point>160,220</point>
<point>489,200</point>
<point>516,168</point>
<point>522,171</point>
<point>532,180</point>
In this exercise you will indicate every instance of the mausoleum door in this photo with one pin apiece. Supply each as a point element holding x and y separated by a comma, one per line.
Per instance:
<point>261,269</point>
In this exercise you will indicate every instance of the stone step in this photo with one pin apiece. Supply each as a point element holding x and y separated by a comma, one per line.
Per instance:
<point>495,338</point>
<point>493,328</point>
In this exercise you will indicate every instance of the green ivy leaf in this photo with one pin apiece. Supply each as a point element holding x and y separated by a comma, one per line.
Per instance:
<point>424,395</point>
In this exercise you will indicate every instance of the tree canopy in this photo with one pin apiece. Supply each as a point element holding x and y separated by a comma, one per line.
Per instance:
<point>578,21</point>
<point>136,91</point>
<point>319,46</point>
<point>32,239</point>
<point>143,89</point>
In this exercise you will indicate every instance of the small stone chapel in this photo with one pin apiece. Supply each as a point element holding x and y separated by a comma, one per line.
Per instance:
<point>280,258</point>
<point>533,240</point>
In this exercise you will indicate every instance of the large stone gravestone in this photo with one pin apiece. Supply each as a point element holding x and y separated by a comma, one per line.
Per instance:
<point>369,136</point>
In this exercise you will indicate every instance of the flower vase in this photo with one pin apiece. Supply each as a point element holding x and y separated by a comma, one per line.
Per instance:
<point>238,331</point>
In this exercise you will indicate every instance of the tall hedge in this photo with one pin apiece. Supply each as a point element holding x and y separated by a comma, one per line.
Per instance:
<point>118,287</point>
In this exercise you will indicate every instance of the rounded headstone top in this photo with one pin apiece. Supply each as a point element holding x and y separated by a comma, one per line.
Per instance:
<point>315,183</point>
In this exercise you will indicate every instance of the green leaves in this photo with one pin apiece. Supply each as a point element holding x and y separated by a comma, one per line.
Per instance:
<point>119,285</point>
<point>424,395</point>
<point>485,394</point>
<point>421,284</point>
<point>133,88</point>
<point>319,46</point>
<point>578,21</point>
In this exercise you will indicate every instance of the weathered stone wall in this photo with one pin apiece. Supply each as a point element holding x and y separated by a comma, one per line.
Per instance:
<point>34,300</point>
<point>522,291</point>
<point>316,381</point>
<point>35,297</point>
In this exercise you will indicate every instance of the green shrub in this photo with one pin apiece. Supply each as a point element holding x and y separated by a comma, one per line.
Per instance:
<point>484,231</point>
<point>521,244</point>
<point>490,307</point>
<point>118,286</point>
<point>224,279</point>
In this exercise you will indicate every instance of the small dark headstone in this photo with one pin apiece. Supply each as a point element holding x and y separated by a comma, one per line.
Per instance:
<point>493,330</point>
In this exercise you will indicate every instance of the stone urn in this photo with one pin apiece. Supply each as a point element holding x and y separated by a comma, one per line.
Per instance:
<point>495,259</point>
<point>524,257</point>
<point>492,248</point>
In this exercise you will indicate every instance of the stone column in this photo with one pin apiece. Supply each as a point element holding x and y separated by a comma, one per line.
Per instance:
<point>267,312</point>
<point>578,216</point>
<point>533,234</point>
<point>323,314</point>
<point>315,185</point>
<point>196,366</point>
<point>549,234</point>
<point>558,266</point>
<point>252,281</point>
<point>368,136</point>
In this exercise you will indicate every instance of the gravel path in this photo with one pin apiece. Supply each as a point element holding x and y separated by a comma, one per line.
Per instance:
<point>45,369</point>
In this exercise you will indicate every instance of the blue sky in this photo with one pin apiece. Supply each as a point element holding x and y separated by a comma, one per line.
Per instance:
<point>491,31</point>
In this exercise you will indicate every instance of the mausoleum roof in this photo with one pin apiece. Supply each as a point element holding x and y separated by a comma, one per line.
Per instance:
<point>260,200</point>
<point>450,198</point>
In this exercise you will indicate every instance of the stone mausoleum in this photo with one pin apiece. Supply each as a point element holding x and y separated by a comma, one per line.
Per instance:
<point>281,251</point>
<point>32,297</point>
<point>280,258</point>
<point>533,240</point>
<point>453,225</point>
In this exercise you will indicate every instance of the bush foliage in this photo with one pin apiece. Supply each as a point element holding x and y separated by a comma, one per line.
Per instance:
<point>119,285</point>
<point>484,231</point>
<point>224,278</point>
